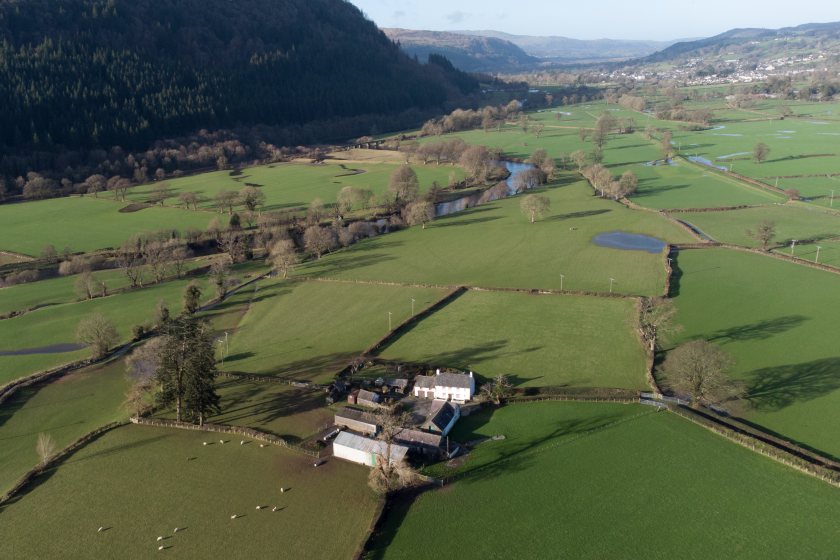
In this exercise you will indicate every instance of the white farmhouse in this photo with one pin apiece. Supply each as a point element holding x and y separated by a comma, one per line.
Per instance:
<point>364,450</point>
<point>457,387</point>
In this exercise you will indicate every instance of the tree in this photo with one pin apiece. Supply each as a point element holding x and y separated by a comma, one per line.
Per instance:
<point>698,369</point>
<point>156,256</point>
<point>476,161</point>
<point>389,475</point>
<point>419,212</point>
<point>84,285</point>
<point>140,368</point>
<point>188,200</point>
<point>179,254</point>
<point>579,158</point>
<point>535,206</point>
<point>192,298</point>
<point>283,256</point>
<point>98,333</point>
<point>666,145</point>
<point>760,152</point>
<point>226,200</point>
<point>764,233</point>
<point>497,390</point>
<point>233,243</point>
<point>49,254</point>
<point>219,275</point>
<point>45,447</point>
<point>319,240</point>
<point>252,198</point>
<point>162,314</point>
<point>187,370</point>
<point>628,183</point>
<point>403,185</point>
<point>160,192</point>
<point>656,319</point>
<point>316,211</point>
<point>531,178</point>
<point>95,184</point>
<point>130,260</point>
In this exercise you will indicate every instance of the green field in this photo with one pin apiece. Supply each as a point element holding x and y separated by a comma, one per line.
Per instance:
<point>57,324</point>
<point>66,409</point>
<point>292,186</point>
<point>493,245</point>
<point>778,321</point>
<point>311,330</point>
<point>578,480</point>
<point>536,340</point>
<point>59,290</point>
<point>142,482</point>
<point>85,224</point>
<point>792,222</point>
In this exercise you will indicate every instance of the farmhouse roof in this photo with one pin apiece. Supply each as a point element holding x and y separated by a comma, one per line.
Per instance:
<point>425,381</point>
<point>357,415</point>
<point>458,380</point>
<point>365,395</point>
<point>398,383</point>
<point>367,445</point>
<point>418,437</point>
<point>441,414</point>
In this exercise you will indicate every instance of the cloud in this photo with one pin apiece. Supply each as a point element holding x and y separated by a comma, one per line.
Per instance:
<point>456,17</point>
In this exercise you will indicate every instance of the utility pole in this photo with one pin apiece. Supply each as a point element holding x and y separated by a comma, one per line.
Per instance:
<point>792,248</point>
<point>389,322</point>
<point>412,306</point>
<point>611,284</point>
<point>817,260</point>
<point>562,277</point>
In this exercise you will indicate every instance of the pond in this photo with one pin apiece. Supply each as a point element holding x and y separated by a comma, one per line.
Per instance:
<point>460,204</point>
<point>629,242</point>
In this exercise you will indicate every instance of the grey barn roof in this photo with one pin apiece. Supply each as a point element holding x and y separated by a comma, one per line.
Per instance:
<point>425,381</point>
<point>418,437</point>
<point>368,445</point>
<point>357,415</point>
<point>368,396</point>
<point>459,380</point>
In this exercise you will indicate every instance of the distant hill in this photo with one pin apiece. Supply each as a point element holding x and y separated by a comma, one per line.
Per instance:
<point>100,73</point>
<point>760,44</point>
<point>566,50</point>
<point>469,53</point>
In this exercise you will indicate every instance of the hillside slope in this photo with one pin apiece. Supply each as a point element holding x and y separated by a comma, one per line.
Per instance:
<point>469,53</point>
<point>99,73</point>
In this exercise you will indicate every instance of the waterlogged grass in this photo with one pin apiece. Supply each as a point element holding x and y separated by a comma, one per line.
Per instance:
<point>536,340</point>
<point>494,245</point>
<point>778,320</point>
<point>311,330</point>
<point>577,480</point>
<point>84,224</point>
<point>141,483</point>
<point>65,409</point>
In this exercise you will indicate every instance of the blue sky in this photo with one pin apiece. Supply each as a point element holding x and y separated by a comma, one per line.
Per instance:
<point>595,19</point>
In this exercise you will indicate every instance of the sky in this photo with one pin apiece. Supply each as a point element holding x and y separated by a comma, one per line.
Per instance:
<point>597,19</point>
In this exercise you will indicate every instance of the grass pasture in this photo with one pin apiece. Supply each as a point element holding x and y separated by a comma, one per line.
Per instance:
<point>792,222</point>
<point>66,409</point>
<point>142,482</point>
<point>293,186</point>
<point>578,480</point>
<point>493,245</point>
<point>777,319</point>
<point>311,330</point>
<point>84,223</point>
<point>537,340</point>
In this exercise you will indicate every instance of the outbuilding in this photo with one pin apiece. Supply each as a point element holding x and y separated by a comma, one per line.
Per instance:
<point>357,420</point>
<point>365,451</point>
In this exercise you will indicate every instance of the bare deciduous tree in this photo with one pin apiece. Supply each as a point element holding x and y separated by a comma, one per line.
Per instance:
<point>189,200</point>
<point>226,200</point>
<point>764,233</point>
<point>319,240</point>
<point>698,369</point>
<point>419,212</point>
<point>760,152</point>
<point>389,475</point>
<point>403,185</point>
<point>535,206</point>
<point>98,333</point>
<point>283,256</point>
<point>656,319</point>
<point>497,390</point>
<point>45,447</point>
<point>252,198</point>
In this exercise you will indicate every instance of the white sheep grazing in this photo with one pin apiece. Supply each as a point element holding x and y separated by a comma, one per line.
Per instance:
<point>176,529</point>
<point>205,443</point>
<point>234,516</point>
<point>282,490</point>
<point>242,442</point>
<point>100,529</point>
<point>160,539</point>
<point>262,445</point>
<point>274,508</point>
<point>222,441</point>
<point>259,507</point>
<point>160,547</point>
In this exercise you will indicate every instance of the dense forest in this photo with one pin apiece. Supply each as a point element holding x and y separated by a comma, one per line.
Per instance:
<point>83,75</point>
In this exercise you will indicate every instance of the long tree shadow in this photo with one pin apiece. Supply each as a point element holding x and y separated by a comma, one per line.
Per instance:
<point>467,222</point>
<point>775,388</point>
<point>758,331</point>
<point>575,215</point>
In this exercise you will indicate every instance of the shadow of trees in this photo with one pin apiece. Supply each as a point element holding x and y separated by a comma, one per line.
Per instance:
<point>757,331</point>
<point>774,388</point>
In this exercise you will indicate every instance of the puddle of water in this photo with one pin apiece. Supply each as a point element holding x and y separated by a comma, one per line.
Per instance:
<point>53,349</point>
<point>818,122</point>
<point>624,241</point>
<point>731,135</point>
<point>727,156</point>
<point>706,162</point>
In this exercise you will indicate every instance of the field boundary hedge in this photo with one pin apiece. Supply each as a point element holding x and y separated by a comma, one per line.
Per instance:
<point>26,479</point>
<point>270,379</point>
<point>764,444</point>
<point>225,429</point>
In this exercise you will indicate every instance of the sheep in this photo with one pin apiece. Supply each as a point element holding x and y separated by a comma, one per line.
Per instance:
<point>222,441</point>
<point>160,547</point>
<point>160,539</point>
<point>100,529</point>
<point>176,529</point>
<point>274,508</point>
<point>259,507</point>
<point>282,490</point>
<point>242,442</point>
<point>205,443</point>
<point>262,445</point>
<point>234,516</point>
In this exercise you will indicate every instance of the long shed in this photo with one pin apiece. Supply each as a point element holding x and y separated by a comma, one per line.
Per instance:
<point>365,451</point>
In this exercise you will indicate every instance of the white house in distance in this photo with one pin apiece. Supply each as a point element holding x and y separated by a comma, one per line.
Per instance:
<point>457,387</point>
<point>364,450</point>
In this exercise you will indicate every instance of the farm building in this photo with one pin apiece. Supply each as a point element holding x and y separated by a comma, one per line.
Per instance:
<point>458,387</point>
<point>424,442</point>
<point>442,417</point>
<point>364,398</point>
<point>364,451</point>
<point>356,420</point>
